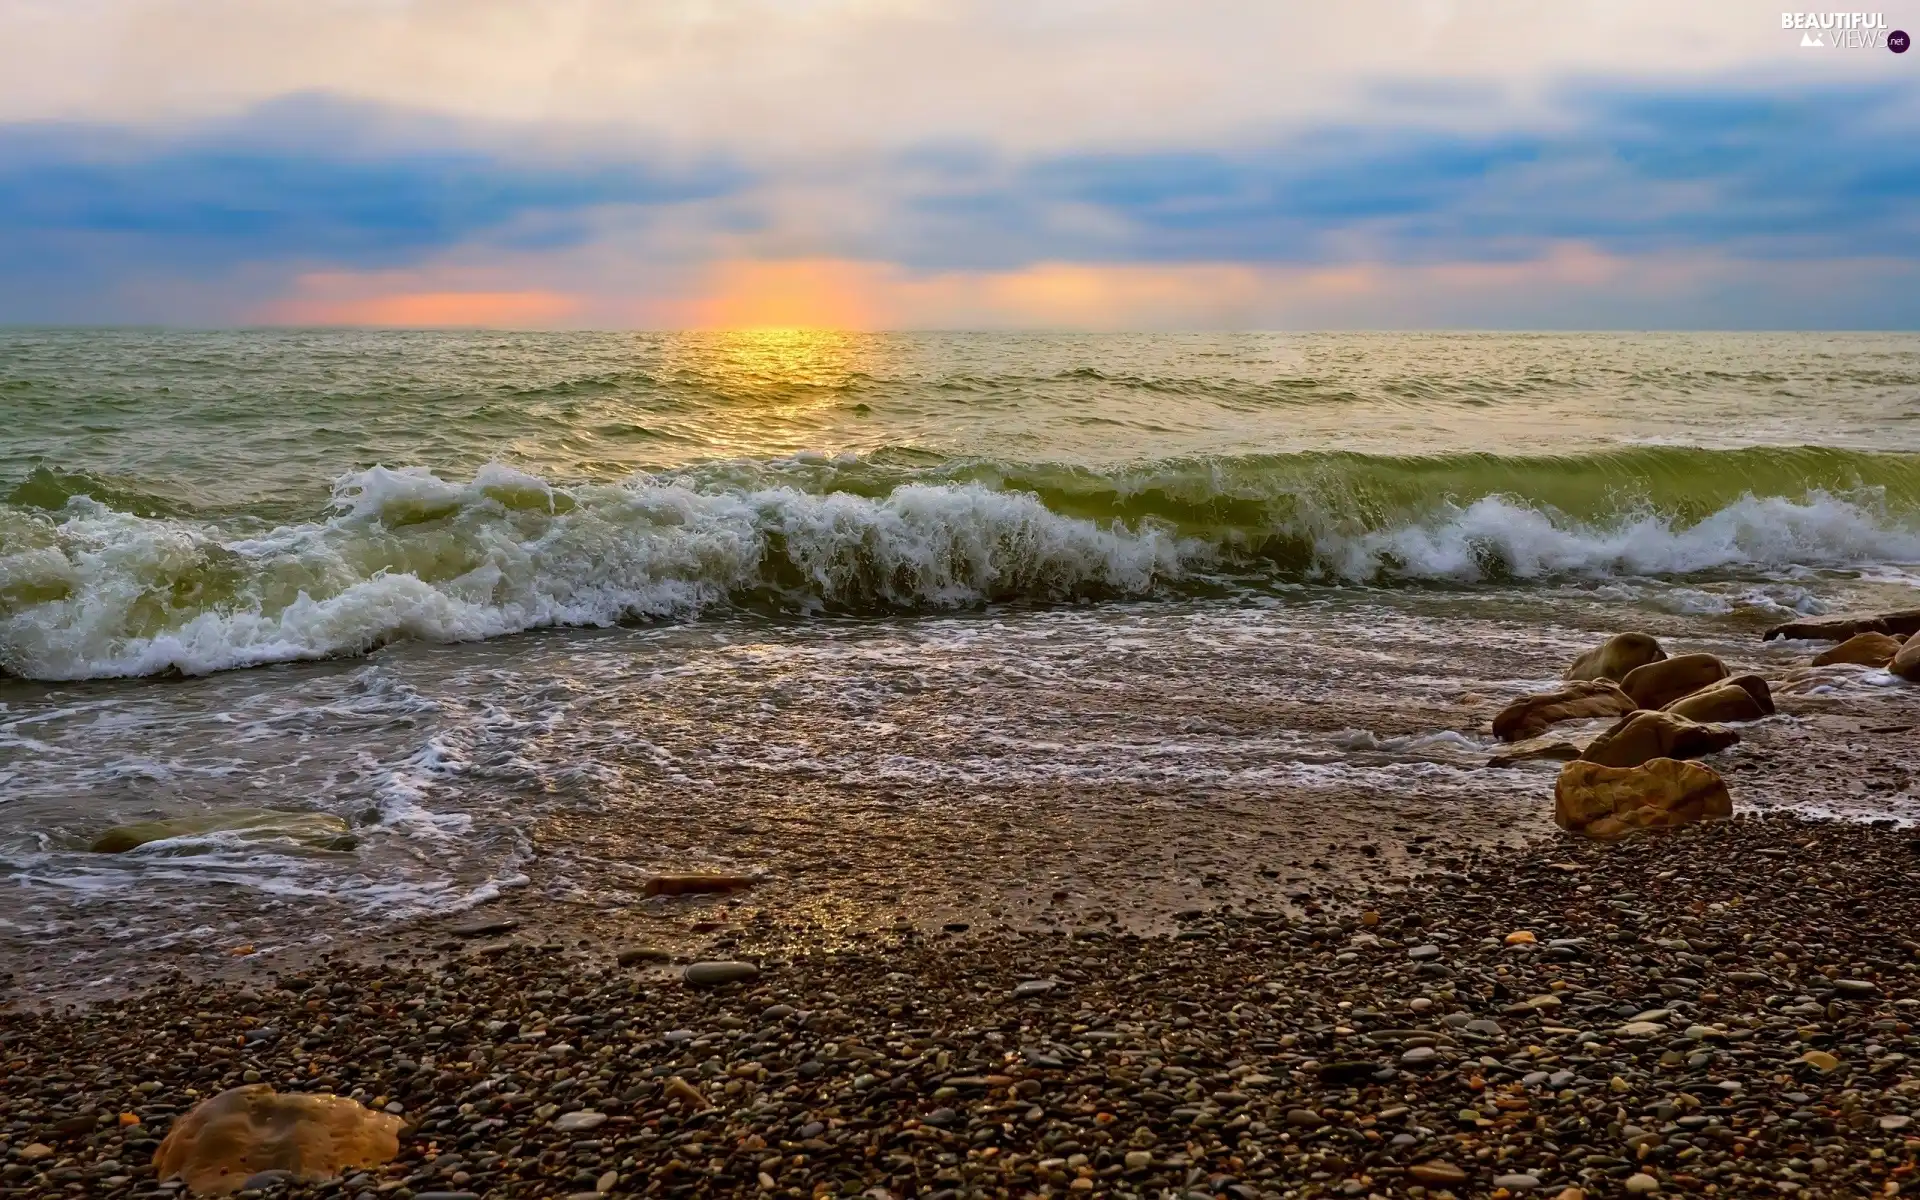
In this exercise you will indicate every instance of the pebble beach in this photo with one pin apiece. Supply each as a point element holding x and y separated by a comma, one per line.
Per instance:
<point>1725,1009</point>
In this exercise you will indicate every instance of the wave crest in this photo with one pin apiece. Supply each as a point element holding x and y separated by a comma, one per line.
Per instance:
<point>89,591</point>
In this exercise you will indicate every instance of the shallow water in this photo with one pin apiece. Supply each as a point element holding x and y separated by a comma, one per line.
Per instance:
<point>552,612</point>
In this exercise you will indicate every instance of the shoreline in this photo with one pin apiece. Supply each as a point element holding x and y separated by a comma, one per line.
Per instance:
<point>834,861</point>
<point>1245,1054</point>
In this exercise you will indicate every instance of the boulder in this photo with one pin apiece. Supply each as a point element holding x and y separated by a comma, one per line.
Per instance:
<point>1615,657</point>
<point>1609,803</point>
<point>1901,623</point>
<point>246,1130</point>
<point>1742,698</point>
<point>1864,649</point>
<point>1661,683</point>
<point>1643,736</point>
<point>1529,716</point>
<point>1906,664</point>
<point>312,830</point>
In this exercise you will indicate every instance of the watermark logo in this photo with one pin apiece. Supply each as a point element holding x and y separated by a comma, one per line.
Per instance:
<point>1844,31</point>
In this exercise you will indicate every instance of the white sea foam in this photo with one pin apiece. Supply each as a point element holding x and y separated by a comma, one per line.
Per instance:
<point>408,555</point>
<point>1497,534</point>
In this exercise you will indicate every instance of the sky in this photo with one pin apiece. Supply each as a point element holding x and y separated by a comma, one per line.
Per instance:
<point>956,164</point>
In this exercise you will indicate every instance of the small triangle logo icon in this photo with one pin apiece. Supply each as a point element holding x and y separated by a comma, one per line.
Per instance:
<point>1812,39</point>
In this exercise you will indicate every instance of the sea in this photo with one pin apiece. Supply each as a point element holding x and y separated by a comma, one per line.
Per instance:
<point>507,603</point>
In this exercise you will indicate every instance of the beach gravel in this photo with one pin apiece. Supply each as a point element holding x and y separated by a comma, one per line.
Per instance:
<point>1721,1010</point>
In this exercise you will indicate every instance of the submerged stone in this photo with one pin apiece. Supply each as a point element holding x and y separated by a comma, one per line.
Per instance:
<point>313,830</point>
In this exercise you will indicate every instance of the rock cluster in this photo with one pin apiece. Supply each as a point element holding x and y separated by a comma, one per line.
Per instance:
<point>1670,708</point>
<point>1627,778</point>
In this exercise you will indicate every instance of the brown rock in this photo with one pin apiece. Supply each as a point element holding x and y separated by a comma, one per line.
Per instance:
<point>1742,698</point>
<point>1643,736</point>
<point>692,885</point>
<point>1902,623</point>
<point>1607,803</point>
<point>1437,1173</point>
<point>1906,664</point>
<point>1529,716</point>
<point>1661,683</point>
<point>246,1130</point>
<point>1615,657</point>
<point>1866,649</point>
<point>1540,749</point>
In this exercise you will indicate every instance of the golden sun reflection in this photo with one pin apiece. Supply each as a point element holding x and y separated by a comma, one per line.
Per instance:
<point>778,391</point>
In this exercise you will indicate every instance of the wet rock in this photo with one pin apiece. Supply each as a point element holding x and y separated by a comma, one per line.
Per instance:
<point>1546,748</point>
<point>1741,698</point>
<point>1608,803</point>
<point>1645,736</point>
<point>634,956</point>
<point>1658,684</point>
<point>1900,623</point>
<point>1530,716</point>
<point>485,928</point>
<point>1906,664</point>
<point>1864,649</point>
<point>308,830</point>
<point>713,974</point>
<point>247,1130</point>
<point>1616,657</point>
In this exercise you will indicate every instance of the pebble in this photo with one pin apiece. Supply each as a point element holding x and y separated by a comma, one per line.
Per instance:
<point>1424,953</point>
<point>485,928</point>
<point>1517,1183</point>
<point>712,974</point>
<point>1437,1173</point>
<point>579,1122</point>
<point>1641,1183</point>
<point>1521,937</point>
<point>1420,1056</point>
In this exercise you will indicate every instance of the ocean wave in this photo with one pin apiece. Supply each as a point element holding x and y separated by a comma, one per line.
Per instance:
<point>88,590</point>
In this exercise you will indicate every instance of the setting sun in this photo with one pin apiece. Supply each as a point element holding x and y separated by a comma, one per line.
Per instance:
<point>802,294</point>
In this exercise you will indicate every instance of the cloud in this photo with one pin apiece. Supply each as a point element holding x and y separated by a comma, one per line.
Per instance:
<point>303,181</point>
<point>316,208</point>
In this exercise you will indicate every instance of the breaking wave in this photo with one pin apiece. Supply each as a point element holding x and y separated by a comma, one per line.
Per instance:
<point>88,589</point>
